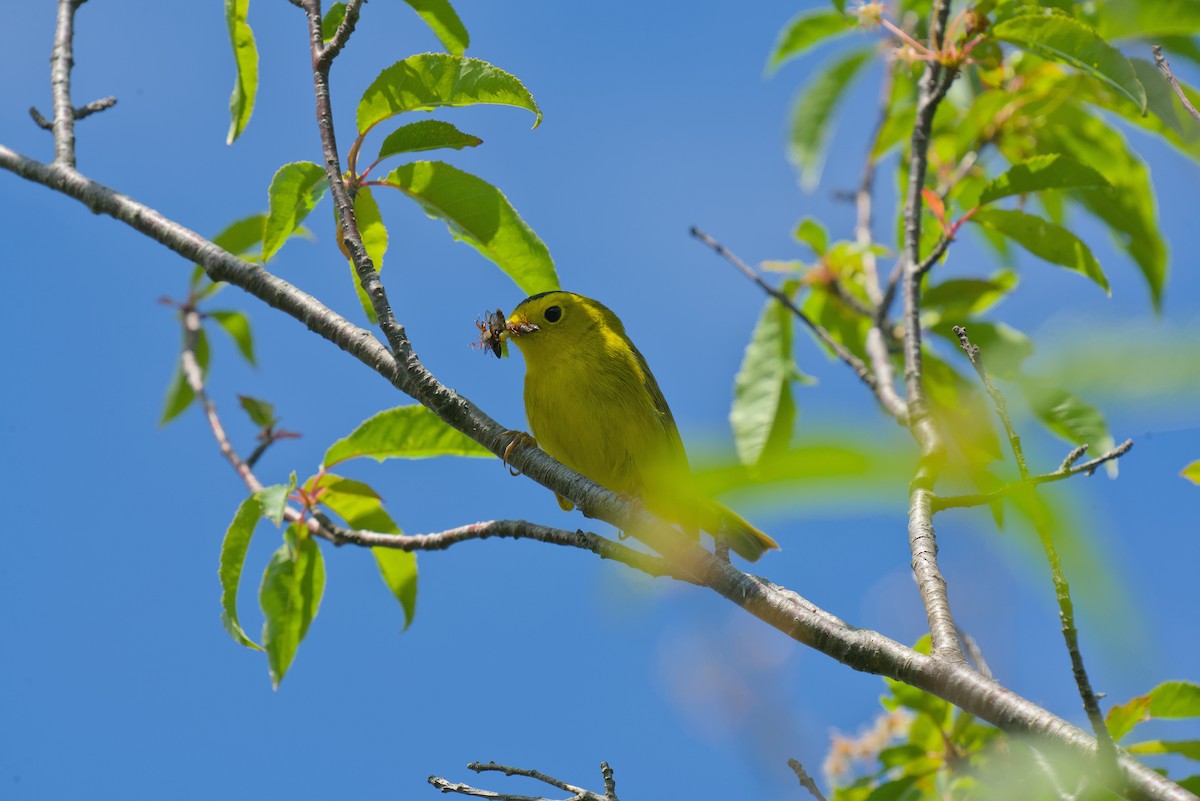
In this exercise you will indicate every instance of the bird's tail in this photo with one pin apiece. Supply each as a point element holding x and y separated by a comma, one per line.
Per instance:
<point>746,540</point>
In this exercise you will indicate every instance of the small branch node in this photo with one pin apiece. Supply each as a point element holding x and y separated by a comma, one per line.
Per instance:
<point>1165,69</point>
<point>805,780</point>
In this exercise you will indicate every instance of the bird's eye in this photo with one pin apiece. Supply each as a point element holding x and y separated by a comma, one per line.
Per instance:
<point>553,314</point>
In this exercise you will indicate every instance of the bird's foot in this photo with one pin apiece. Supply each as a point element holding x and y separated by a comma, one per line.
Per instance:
<point>518,438</point>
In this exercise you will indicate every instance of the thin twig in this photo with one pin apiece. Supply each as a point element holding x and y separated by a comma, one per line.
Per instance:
<point>998,400</point>
<point>974,652</point>
<point>578,793</point>
<point>62,59</point>
<point>805,779</point>
<point>342,35</point>
<point>856,364</point>
<point>82,112</point>
<point>1165,68</point>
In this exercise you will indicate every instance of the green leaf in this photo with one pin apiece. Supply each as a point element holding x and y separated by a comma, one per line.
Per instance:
<point>233,559</point>
<point>812,116</point>
<point>804,31</point>
<point>405,432</point>
<point>179,392</point>
<point>961,299</point>
<point>1187,748</point>
<point>237,325</point>
<point>1175,699</point>
<point>425,82</point>
<point>374,236</point>
<point>1124,19</point>
<point>812,233</point>
<point>426,135</point>
<point>1160,100</point>
<point>245,56</point>
<point>764,410</point>
<point>1041,172</point>
<point>892,790</point>
<point>1192,472</point>
<point>921,702</point>
<point>961,409</point>
<point>1070,418</point>
<point>290,596</point>
<point>361,508</point>
<point>295,190</point>
<point>274,500</point>
<point>480,215</point>
<point>1068,41</point>
<point>844,324</point>
<point>241,235</point>
<point>262,414</point>
<point>440,16</point>
<point>1046,240</point>
<point>333,18</point>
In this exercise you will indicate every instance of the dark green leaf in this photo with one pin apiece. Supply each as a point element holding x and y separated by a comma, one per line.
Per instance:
<point>1192,472</point>
<point>295,190</point>
<point>764,410</point>
<point>333,18</point>
<point>237,325</point>
<point>290,596</point>
<point>179,393</point>
<point>812,233</point>
<point>233,558</point>
<point>1070,418</point>
<point>245,56</point>
<point>480,215</point>
<point>893,790</point>
<point>1044,239</point>
<point>426,135</point>
<point>262,414</point>
<point>274,500</point>
<point>1123,19</point>
<point>1066,40</point>
<point>430,80</point>
<point>440,16</point>
<point>805,30</point>
<point>374,236</point>
<point>812,116</point>
<point>1041,172</point>
<point>406,432</point>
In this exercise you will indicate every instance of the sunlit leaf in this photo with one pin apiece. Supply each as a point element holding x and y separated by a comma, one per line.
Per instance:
<point>295,190</point>
<point>961,299</point>
<point>1123,19</point>
<point>804,31</point>
<point>480,215</point>
<point>764,410</point>
<point>441,18</point>
<point>237,325</point>
<point>1041,172</point>
<point>245,56</point>
<point>1192,472</point>
<point>426,135</point>
<point>427,81</point>
<point>1121,718</point>
<point>179,392</point>
<point>1187,748</point>
<point>812,233</point>
<point>233,559</point>
<point>1175,699</point>
<point>405,432</point>
<point>812,116</point>
<point>374,235</point>
<point>1044,239</point>
<point>273,500</point>
<point>290,596</point>
<point>1063,39</point>
<point>240,236</point>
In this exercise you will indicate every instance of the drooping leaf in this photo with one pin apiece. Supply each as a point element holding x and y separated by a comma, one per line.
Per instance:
<point>813,234</point>
<point>427,81</point>
<point>1044,239</point>
<point>812,116</point>
<point>441,18</point>
<point>361,508</point>
<point>426,135</point>
<point>480,215</point>
<point>764,410</point>
<point>804,31</point>
<point>290,596</point>
<point>1069,417</point>
<point>1187,748</point>
<point>333,18</point>
<point>237,325</point>
<point>1123,19</point>
<point>233,559</point>
<point>374,235</point>
<point>295,190</point>
<point>245,56</point>
<point>1038,173</point>
<point>179,392</point>
<point>1066,40</point>
<point>262,414</point>
<point>1192,472</point>
<point>405,432</point>
<point>273,500</point>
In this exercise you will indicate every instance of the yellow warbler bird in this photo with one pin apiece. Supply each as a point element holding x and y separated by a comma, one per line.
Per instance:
<point>594,405</point>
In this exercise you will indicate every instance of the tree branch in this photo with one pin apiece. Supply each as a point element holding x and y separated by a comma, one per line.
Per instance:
<point>345,28</point>
<point>1165,69</point>
<point>579,793</point>
<point>80,113</point>
<point>805,780</point>
<point>62,59</point>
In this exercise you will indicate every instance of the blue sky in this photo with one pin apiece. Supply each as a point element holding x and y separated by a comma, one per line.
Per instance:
<point>118,680</point>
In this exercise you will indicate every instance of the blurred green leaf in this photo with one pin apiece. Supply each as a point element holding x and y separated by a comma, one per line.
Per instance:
<point>1124,19</point>
<point>812,116</point>
<point>179,392</point>
<point>844,324</point>
<point>921,702</point>
<point>374,236</point>
<point>333,18</point>
<point>812,233</point>
<point>425,82</point>
<point>1041,172</point>
<point>764,410</point>
<point>960,407</point>
<point>237,325</point>
<point>233,559</point>
<point>295,190</point>
<point>961,299</point>
<point>1186,748</point>
<point>1192,472</point>
<point>290,596</point>
<point>480,215</point>
<point>804,31</point>
<point>441,18</point>
<point>426,135</point>
<point>893,790</point>
<point>1046,240</point>
<point>245,56</point>
<point>405,432</point>
<point>1070,418</point>
<point>1066,40</point>
<point>1004,349</point>
<point>262,414</point>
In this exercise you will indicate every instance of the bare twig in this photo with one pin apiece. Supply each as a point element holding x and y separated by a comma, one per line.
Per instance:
<point>578,793</point>
<point>856,364</point>
<point>62,59</point>
<point>805,780</point>
<point>974,653</point>
<point>1165,68</point>
<point>82,112</point>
